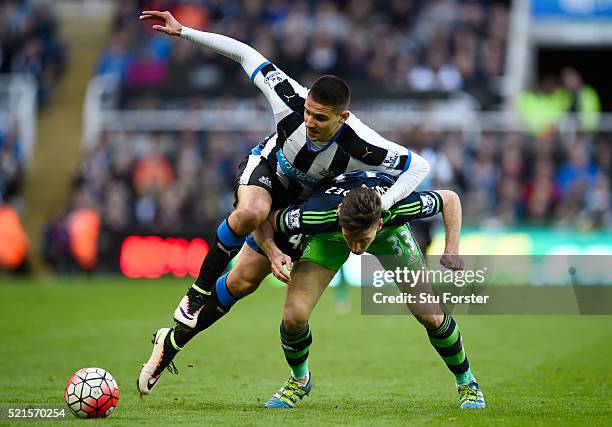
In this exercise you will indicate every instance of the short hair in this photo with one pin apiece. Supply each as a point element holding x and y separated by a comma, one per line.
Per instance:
<point>360,210</point>
<point>331,91</point>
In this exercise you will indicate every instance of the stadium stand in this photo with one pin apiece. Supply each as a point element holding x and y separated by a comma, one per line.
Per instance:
<point>385,48</point>
<point>29,44</point>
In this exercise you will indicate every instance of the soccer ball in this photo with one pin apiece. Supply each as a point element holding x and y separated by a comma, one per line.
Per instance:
<point>91,393</point>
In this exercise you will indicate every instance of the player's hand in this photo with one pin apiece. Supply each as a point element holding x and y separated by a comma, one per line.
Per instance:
<point>452,261</point>
<point>281,267</point>
<point>170,26</point>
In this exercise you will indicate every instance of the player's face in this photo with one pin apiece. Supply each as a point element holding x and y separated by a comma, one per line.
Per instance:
<point>358,243</point>
<point>322,121</point>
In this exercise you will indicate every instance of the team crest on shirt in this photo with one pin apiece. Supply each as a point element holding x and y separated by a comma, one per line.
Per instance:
<point>293,219</point>
<point>273,78</point>
<point>327,172</point>
<point>391,159</point>
<point>428,203</point>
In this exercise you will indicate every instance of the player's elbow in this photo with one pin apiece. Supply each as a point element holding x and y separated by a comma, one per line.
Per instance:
<point>449,197</point>
<point>419,165</point>
<point>424,165</point>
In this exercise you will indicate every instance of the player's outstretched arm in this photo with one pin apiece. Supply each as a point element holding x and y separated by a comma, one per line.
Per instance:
<point>245,55</point>
<point>169,26</point>
<point>451,214</point>
<point>280,262</point>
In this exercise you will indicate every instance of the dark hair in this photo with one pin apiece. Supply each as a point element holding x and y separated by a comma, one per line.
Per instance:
<point>331,91</point>
<point>360,210</point>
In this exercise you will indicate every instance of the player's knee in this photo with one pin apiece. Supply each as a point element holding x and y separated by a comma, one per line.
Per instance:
<point>430,321</point>
<point>294,319</point>
<point>240,286</point>
<point>247,218</point>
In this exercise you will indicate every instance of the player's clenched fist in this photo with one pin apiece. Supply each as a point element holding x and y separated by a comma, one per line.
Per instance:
<point>452,261</point>
<point>170,26</point>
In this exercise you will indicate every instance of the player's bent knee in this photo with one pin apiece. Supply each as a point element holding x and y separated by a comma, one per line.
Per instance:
<point>240,287</point>
<point>295,320</point>
<point>247,218</point>
<point>430,321</point>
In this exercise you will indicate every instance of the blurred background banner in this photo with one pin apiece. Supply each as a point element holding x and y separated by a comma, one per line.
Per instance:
<point>571,9</point>
<point>116,141</point>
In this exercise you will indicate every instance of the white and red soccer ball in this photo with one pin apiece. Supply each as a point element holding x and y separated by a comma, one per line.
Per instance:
<point>91,393</point>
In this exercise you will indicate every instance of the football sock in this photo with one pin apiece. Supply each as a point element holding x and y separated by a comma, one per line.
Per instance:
<point>447,342</point>
<point>226,246</point>
<point>296,346</point>
<point>171,348</point>
<point>216,305</point>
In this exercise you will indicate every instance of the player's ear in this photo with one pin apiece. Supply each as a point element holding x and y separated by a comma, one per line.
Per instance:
<point>344,116</point>
<point>379,226</point>
<point>338,210</point>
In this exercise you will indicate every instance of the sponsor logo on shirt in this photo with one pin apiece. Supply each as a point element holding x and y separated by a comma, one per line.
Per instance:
<point>429,204</point>
<point>294,173</point>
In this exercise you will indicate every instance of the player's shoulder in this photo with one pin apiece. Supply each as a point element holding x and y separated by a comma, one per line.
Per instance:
<point>361,131</point>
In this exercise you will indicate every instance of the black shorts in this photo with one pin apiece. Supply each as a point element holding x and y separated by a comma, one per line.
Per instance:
<point>257,170</point>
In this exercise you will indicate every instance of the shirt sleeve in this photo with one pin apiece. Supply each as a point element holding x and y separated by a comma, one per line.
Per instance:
<point>370,151</point>
<point>407,181</point>
<point>419,204</point>
<point>282,92</point>
<point>306,219</point>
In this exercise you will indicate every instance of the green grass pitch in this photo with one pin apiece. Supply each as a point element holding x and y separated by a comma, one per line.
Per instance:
<point>367,370</point>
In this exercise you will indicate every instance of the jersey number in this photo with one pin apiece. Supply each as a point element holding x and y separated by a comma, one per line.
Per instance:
<point>337,191</point>
<point>396,244</point>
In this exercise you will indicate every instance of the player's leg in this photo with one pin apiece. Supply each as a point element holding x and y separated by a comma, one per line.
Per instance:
<point>397,247</point>
<point>243,279</point>
<point>322,258</point>
<point>253,202</point>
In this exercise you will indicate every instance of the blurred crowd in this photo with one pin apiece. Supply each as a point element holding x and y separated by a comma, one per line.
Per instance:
<point>165,184</point>
<point>379,46</point>
<point>180,184</point>
<point>520,179</point>
<point>29,43</point>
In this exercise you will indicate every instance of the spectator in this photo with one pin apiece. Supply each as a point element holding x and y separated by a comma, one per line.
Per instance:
<point>14,244</point>
<point>543,108</point>
<point>578,174</point>
<point>581,99</point>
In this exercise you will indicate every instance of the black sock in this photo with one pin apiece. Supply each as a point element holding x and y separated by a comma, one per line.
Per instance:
<point>212,311</point>
<point>226,246</point>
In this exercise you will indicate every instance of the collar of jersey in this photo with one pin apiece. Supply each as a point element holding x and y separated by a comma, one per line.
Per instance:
<point>327,144</point>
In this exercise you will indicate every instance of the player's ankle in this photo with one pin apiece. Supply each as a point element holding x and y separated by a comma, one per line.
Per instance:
<point>302,379</point>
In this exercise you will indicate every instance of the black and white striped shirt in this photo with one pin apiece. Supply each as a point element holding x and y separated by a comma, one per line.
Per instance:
<point>354,147</point>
